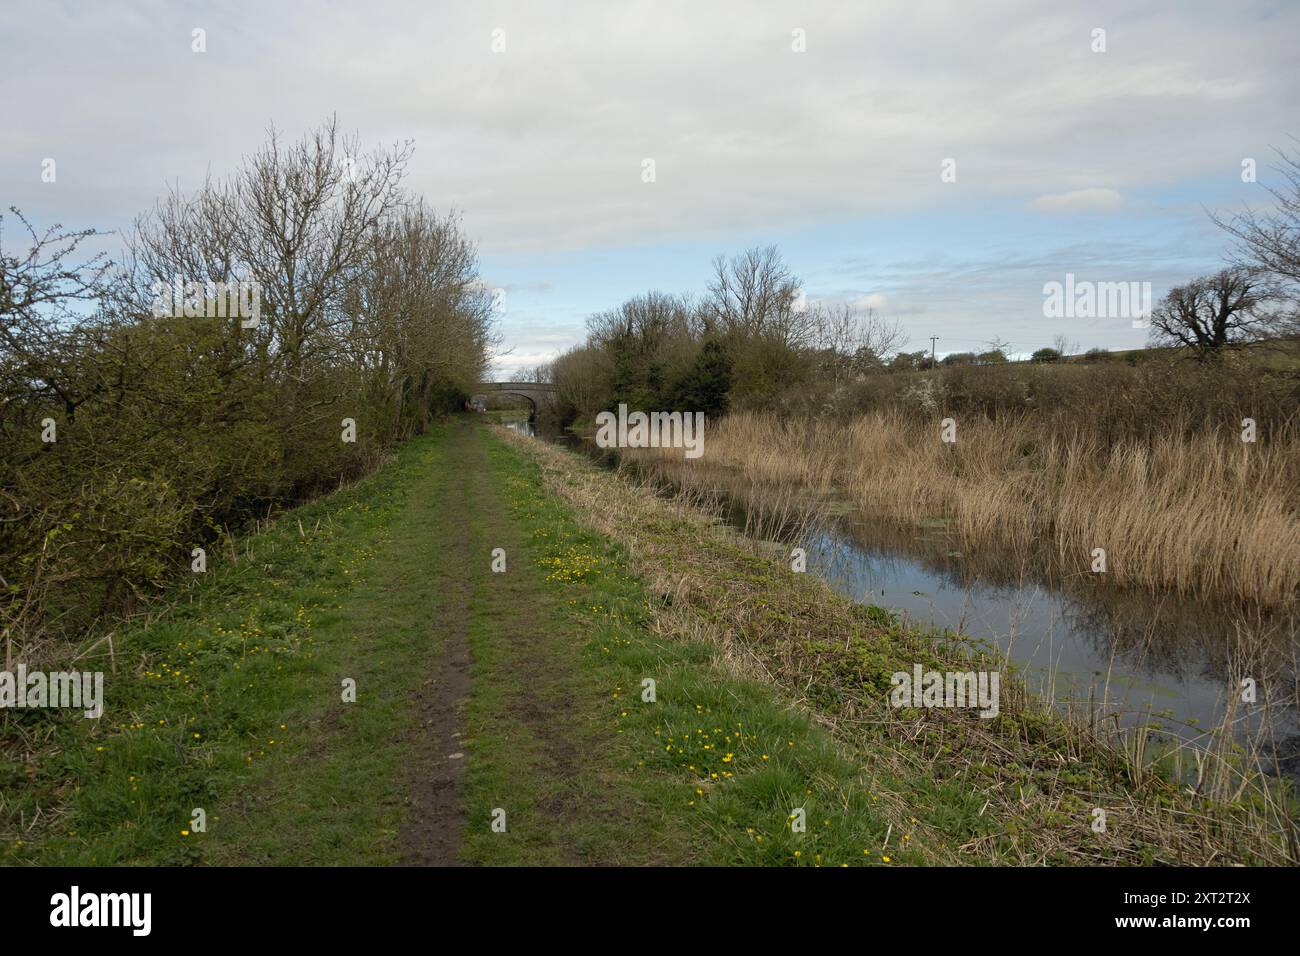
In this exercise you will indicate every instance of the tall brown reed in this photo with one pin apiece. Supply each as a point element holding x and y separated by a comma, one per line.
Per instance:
<point>1197,512</point>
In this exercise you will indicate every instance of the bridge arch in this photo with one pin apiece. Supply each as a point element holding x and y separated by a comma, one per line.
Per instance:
<point>538,394</point>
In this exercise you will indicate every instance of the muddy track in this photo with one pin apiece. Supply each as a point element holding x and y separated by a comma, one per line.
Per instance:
<point>534,664</point>
<point>542,664</point>
<point>431,832</point>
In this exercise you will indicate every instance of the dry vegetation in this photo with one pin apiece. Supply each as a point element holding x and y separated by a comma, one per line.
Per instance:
<point>1032,777</point>
<point>1204,513</point>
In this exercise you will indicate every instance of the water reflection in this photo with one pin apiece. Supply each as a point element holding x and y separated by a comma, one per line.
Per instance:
<point>1157,660</point>
<point>1141,657</point>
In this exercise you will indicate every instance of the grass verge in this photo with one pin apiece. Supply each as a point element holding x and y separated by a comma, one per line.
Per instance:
<point>229,699</point>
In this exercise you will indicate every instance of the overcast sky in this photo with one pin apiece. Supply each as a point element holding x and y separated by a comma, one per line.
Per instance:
<point>1101,164</point>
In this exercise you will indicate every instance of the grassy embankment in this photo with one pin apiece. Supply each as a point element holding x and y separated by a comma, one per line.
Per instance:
<point>229,699</point>
<point>768,701</point>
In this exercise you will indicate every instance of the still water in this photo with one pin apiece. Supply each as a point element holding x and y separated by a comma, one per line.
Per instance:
<point>1162,661</point>
<point>1141,658</point>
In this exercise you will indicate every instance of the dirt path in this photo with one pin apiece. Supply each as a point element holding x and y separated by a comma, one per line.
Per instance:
<point>498,703</point>
<point>431,833</point>
<point>492,635</point>
<point>524,655</point>
<point>490,631</point>
<point>533,740</point>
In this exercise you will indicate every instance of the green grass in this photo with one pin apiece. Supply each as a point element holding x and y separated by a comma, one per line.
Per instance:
<point>710,772</point>
<point>230,700</point>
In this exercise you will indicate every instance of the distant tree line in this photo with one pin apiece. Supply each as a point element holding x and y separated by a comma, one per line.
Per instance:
<point>751,342</point>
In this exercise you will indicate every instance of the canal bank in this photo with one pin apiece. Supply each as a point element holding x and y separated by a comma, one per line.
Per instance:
<point>1171,665</point>
<point>837,656</point>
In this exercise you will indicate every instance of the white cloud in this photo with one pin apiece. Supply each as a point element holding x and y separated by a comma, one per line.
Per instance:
<point>873,300</point>
<point>1079,200</point>
<point>541,145</point>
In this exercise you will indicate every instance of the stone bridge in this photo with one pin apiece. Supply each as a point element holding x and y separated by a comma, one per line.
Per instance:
<point>539,394</point>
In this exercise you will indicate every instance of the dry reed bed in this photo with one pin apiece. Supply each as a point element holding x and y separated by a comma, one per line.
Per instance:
<point>1037,775</point>
<point>1205,514</point>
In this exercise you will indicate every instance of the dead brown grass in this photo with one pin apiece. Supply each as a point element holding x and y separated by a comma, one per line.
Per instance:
<point>1034,776</point>
<point>1203,514</point>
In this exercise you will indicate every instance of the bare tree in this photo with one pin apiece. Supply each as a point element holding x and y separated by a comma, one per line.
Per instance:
<point>1213,311</point>
<point>418,316</point>
<point>1065,345</point>
<point>1270,241</point>
<point>852,342</point>
<point>753,294</point>
<point>44,294</point>
<point>297,218</point>
<point>537,375</point>
<point>851,332</point>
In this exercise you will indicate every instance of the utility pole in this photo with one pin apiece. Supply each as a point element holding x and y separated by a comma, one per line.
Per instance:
<point>933,338</point>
